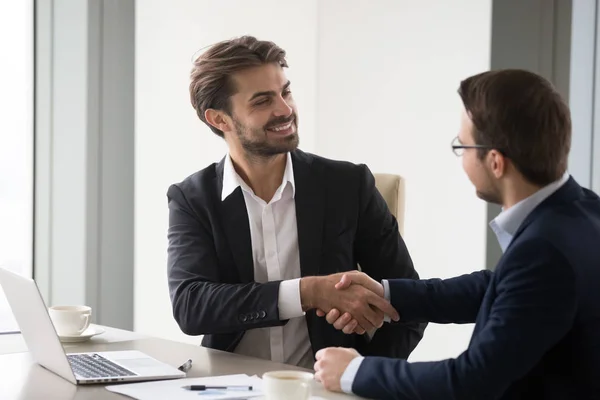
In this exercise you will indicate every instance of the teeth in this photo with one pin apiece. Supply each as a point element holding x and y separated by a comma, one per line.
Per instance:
<point>281,127</point>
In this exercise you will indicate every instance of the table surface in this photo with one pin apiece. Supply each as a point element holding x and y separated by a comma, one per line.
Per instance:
<point>23,379</point>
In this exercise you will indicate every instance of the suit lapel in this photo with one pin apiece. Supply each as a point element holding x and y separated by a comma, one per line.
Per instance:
<point>237,228</point>
<point>310,206</point>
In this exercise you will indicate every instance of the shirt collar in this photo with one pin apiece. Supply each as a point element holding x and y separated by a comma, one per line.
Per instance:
<point>231,179</point>
<point>508,221</point>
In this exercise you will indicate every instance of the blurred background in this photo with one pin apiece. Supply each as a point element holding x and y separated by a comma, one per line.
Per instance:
<point>95,124</point>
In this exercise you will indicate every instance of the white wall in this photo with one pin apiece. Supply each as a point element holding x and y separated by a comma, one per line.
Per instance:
<point>375,82</point>
<point>16,146</point>
<point>171,142</point>
<point>388,77</point>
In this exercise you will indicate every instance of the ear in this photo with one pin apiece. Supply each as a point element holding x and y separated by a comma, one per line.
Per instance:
<point>218,119</point>
<point>497,163</point>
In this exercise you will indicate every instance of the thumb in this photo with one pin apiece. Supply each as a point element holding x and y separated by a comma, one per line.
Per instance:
<point>344,283</point>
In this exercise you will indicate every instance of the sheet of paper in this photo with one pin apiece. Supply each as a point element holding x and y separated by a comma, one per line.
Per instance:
<point>172,389</point>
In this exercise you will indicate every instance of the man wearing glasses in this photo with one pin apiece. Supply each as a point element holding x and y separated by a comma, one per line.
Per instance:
<point>537,316</point>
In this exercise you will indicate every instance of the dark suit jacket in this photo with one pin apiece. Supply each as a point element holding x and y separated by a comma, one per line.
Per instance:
<point>537,317</point>
<point>342,220</point>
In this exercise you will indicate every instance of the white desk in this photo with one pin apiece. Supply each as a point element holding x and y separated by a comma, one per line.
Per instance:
<point>22,378</point>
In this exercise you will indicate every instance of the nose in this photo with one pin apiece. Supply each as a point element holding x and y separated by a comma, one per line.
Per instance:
<point>282,108</point>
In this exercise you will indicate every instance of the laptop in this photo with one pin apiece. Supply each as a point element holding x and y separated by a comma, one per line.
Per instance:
<point>37,329</point>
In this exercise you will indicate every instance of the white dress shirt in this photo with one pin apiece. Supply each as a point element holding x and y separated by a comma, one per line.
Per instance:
<point>505,226</point>
<point>276,256</point>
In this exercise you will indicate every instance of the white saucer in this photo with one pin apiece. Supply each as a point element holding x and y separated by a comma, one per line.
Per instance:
<point>86,335</point>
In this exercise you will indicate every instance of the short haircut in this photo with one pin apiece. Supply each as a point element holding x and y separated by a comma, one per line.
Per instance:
<point>520,114</point>
<point>211,85</point>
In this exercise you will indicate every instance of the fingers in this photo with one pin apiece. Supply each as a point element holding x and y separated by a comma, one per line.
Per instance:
<point>374,318</point>
<point>320,354</point>
<point>363,321</point>
<point>360,278</point>
<point>369,283</point>
<point>384,306</point>
<point>332,316</point>
<point>345,323</point>
<point>341,322</point>
<point>350,327</point>
<point>318,374</point>
<point>344,283</point>
<point>379,315</point>
<point>361,304</point>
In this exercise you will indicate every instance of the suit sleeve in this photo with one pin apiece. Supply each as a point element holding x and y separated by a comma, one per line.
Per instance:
<point>534,308</point>
<point>202,303</point>
<point>382,254</point>
<point>450,301</point>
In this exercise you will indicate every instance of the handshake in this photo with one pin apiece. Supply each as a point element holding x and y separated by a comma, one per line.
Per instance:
<point>350,301</point>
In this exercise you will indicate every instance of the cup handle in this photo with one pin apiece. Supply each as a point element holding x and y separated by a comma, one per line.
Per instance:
<point>86,324</point>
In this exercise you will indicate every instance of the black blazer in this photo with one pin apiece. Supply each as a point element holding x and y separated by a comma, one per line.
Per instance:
<point>342,221</point>
<point>537,317</point>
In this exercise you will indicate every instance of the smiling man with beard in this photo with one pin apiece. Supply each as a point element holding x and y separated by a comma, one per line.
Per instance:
<point>258,241</point>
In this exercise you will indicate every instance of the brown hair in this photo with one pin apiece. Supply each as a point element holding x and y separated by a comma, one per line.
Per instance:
<point>521,115</point>
<point>211,85</point>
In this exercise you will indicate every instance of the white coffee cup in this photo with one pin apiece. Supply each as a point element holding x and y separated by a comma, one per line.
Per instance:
<point>289,385</point>
<point>70,320</point>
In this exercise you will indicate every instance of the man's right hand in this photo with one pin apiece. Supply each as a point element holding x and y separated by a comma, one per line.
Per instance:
<point>344,321</point>
<point>360,278</point>
<point>363,301</point>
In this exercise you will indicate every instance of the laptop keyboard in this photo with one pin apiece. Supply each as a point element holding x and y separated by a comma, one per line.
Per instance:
<point>96,366</point>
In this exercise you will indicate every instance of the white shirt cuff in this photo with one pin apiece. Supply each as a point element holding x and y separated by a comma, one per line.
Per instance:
<point>386,295</point>
<point>289,302</point>
<point>386,290</point>
<point>349,374</point>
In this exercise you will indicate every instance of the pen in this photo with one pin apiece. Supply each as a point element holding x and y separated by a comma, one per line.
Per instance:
<point>205,387</point>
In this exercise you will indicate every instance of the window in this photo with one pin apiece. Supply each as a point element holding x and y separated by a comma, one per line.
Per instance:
<point>16,144</point>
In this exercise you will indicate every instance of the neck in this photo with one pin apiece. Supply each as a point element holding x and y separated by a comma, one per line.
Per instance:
<point>263,175</point>
<point>516,190</point>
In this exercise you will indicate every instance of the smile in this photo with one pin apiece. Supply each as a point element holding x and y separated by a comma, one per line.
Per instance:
<point>279,128</point>
<point>285,129</point>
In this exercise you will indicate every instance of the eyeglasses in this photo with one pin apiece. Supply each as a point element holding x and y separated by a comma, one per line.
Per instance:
<point>458,148</point>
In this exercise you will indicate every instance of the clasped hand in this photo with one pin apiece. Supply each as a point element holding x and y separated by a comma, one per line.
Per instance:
<point>357,305</point>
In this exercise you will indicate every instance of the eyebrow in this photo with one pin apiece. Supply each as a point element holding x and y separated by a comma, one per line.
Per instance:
<point>270,92</point>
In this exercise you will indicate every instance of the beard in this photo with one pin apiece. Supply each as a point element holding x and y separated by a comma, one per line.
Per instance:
<point>257,143</point>
<point>489,196</point>
<point>491,193</point>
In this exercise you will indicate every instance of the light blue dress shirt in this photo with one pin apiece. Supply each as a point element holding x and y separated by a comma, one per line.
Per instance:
<point>505,226</point>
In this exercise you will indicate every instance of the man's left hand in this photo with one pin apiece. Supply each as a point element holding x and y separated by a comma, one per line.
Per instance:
<point>331,364</point>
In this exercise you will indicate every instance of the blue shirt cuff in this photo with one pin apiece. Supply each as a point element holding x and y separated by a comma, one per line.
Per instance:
<point>349,374</point>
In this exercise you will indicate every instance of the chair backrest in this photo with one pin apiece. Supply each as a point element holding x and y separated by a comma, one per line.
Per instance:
<point>391,188</point>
